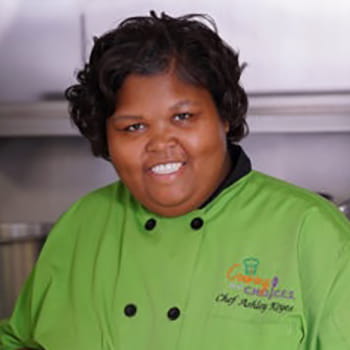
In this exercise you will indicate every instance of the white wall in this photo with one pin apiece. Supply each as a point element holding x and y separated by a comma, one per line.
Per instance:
<point>288,45</point>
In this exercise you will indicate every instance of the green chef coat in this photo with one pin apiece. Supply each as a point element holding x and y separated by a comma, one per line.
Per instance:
<point>264,265</point>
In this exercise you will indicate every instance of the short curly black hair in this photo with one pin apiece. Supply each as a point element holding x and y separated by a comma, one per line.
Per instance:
<point>149,45</point>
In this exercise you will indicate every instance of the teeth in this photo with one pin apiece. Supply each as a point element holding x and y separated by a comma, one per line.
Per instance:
<point>167,168</point>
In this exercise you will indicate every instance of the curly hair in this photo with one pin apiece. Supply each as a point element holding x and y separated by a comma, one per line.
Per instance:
<point>149,45</point>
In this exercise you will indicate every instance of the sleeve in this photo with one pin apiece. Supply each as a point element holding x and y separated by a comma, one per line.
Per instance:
<point>18,332</point>
<point>334,329</point>
<point>324,267</point>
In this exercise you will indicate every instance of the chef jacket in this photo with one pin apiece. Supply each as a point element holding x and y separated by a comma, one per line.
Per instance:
<point>263,265</point>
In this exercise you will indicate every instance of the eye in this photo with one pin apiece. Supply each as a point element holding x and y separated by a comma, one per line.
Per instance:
<point>134,127</point>
<point>182,116</point>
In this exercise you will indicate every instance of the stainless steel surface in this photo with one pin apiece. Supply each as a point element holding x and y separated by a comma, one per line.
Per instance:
<point>14,232</point>
<point>20,244</point>
<point>345,208</point>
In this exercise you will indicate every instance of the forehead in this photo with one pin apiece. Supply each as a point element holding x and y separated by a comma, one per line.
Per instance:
<point>160,89</point>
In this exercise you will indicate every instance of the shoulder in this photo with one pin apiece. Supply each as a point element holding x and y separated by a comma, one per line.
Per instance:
<point>314,217</point>
<point>275,190</point>
<point>101,196</point>
<point>278,189</point>
<point>97,202</point>
<point>322,231</point>
<point>83,221</point>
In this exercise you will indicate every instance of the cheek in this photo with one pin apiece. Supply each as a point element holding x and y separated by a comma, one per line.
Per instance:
<point>211,141</point>
<point>125,156</point>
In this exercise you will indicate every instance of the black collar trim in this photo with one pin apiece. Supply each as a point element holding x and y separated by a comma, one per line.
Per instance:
<point>241,166</point>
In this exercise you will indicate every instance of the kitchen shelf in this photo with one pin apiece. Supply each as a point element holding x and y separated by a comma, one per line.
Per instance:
<point>293,113</point>
<point>300,113</point>
<point>48,118</point>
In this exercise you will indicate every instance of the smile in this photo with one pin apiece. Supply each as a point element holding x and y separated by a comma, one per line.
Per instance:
<point>165,169</point>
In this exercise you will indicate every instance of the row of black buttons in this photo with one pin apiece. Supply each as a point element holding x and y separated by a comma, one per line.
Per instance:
<point>196,224</point>
<point>131,309</point>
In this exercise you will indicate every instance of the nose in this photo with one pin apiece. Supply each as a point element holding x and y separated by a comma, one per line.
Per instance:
<point>161,140</point>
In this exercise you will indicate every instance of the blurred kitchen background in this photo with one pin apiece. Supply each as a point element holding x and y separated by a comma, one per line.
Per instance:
<point>297,77</point>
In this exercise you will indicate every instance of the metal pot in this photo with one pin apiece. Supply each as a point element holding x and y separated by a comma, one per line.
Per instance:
<point>345,208</point>
<point>20,244</point>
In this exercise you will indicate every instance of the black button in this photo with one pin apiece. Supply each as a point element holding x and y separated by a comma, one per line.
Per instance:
<point>173,313</point>
<point>130,310</point>
<point>197,223</point>
<point>150,224</point>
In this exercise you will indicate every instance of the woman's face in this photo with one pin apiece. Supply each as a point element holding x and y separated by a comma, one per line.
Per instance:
<point>167,142</point>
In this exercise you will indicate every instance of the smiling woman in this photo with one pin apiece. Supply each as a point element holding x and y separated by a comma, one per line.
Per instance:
<point>174,133</point>
<point>191,249</point>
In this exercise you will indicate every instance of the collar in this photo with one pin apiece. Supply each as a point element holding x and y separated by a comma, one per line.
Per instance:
<point>241,166</point>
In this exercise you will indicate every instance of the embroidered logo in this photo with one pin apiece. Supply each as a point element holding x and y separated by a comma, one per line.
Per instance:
<point>252,284</point>
<point>247,283</point>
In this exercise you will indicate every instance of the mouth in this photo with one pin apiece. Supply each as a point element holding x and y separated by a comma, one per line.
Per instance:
<point>166,168</point>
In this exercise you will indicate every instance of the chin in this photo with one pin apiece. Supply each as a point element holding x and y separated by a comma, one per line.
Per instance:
<point>170,206</point>
<point>170,211</point>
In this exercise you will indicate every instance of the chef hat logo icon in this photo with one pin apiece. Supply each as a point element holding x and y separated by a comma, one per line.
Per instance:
<point>251,266</point>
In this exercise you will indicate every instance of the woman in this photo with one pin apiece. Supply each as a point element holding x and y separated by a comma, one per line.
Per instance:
<point>192,249</point>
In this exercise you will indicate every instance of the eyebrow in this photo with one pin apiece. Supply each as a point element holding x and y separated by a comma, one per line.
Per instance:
<point>126,117</point>
<point>183,103</point>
